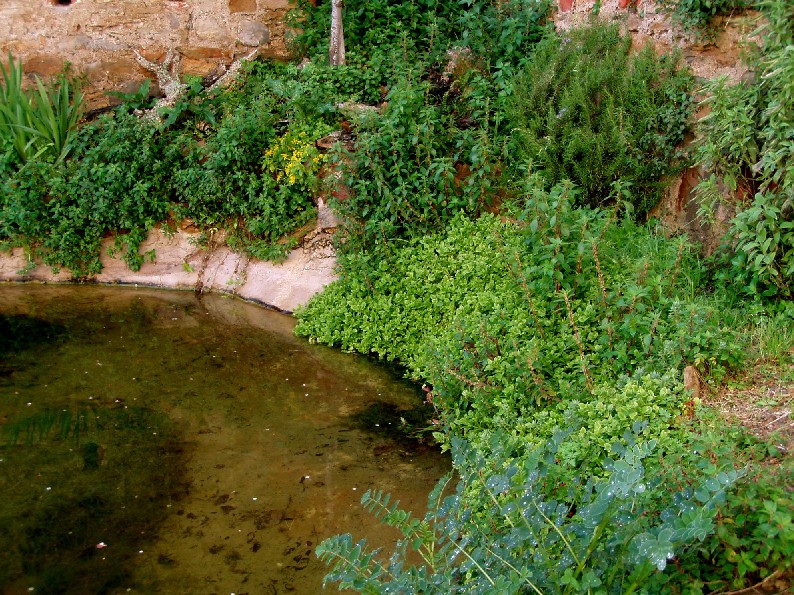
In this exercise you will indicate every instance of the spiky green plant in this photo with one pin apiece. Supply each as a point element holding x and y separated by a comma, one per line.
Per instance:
<point>38,122</point>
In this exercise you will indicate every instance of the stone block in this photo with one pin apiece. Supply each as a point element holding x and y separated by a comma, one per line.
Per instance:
<point>153,54</point>
<point>43,65</point>
<point>198,67</point>
<point>253,34</point>
<point>113,69</point>
<point>208,28</point>
<point>76,42</point>
<point>242,6</point>
<point>273,53</point>
<point>275,4</point>
<point>203,53</point>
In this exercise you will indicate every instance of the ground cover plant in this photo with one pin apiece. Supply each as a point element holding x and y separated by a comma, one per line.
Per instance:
<point>563,313</point>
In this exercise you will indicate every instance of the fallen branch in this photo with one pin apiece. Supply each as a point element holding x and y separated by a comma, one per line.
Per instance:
<point>227,77</point>
<point>167,73</point>
<point>754,588</point>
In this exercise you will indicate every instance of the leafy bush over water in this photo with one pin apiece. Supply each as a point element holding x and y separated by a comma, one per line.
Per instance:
<point>208,161</point>
<point>118,180</point>
<point>503,531</point>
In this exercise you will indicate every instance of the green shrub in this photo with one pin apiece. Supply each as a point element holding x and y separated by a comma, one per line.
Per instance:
<point>405,30</point>
<point>504,531</point>
<point>436,147</point>
<point>386,40</point>
<point>501,34</point>
<point>257,173</point>
<point>118,182</point>
<point>747,146</point>
<point>228,162</point>
<point>587,110</point>
<point>518,273</point>
<point>588,302</point>
<point>411,171</point>
<point>392,306</point>
<point>415,26</point>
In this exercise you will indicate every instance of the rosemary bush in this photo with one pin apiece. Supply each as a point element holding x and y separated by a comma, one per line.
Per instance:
<point>587,110</point>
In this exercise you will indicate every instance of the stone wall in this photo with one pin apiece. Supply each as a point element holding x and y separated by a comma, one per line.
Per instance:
<point>98,36</point>
<point>648,23</point>
<point>182,264</point>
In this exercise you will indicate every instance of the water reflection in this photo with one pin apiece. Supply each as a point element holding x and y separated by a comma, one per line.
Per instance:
<point>154,442</point>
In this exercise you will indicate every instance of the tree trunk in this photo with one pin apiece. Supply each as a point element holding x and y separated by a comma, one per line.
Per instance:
<point>336,53</point>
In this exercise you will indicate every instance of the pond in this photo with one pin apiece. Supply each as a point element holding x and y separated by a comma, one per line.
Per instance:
<point>163,442</point>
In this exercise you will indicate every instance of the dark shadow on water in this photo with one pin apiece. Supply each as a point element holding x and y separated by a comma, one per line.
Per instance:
<point>20,333</point>
<point>408,427</point>
<point>103,483</point>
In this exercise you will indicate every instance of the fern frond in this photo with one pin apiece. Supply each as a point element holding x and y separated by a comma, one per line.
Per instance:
<point>353,566</point>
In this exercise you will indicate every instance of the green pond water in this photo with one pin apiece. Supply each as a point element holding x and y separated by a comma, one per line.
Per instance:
<point>160,442</point>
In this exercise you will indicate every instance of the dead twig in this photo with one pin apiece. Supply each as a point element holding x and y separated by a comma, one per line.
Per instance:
<point>754,588</point>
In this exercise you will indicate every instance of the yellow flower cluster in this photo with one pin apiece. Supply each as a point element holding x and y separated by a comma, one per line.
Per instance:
<point>292,156</point>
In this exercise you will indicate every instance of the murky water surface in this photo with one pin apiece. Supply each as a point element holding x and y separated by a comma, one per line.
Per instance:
<point>154,442</point>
